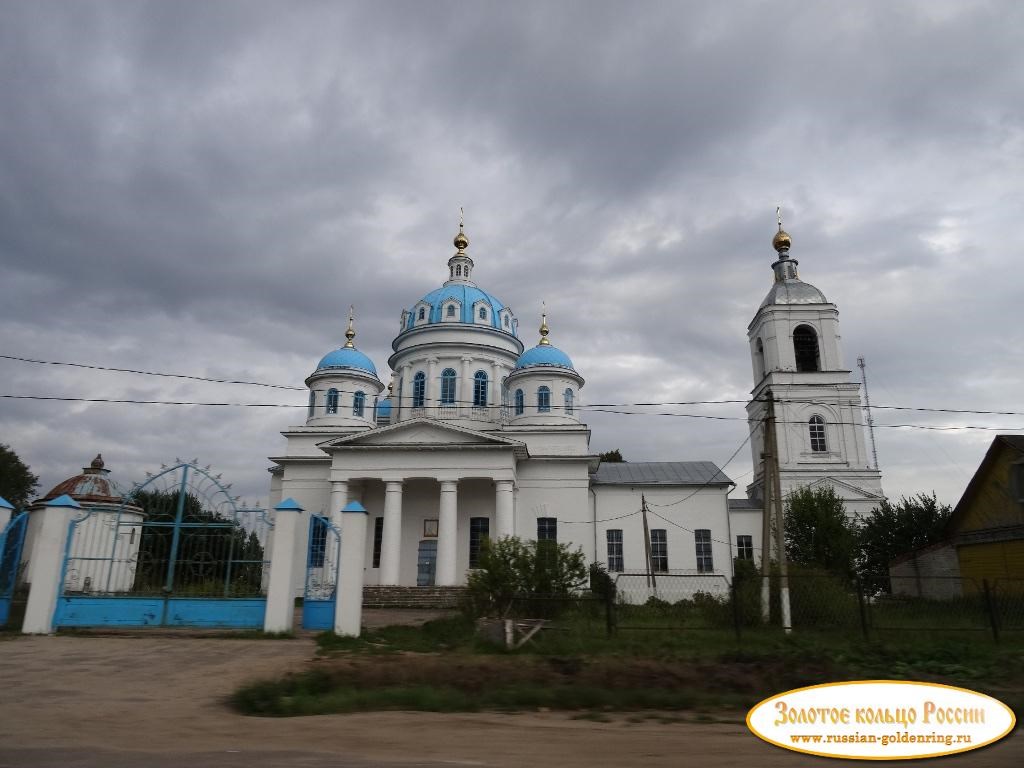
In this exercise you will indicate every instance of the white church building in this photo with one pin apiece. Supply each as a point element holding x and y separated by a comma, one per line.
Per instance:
<point>478,436</point>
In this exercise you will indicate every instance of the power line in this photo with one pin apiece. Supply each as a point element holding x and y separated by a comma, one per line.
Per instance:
<point>591,406</point>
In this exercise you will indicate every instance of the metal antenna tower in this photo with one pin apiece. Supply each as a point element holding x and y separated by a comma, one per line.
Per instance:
<point>867,411</point>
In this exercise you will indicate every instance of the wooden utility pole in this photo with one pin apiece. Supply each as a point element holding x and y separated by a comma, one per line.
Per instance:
<point>652,580</point>
<point>773,508</point>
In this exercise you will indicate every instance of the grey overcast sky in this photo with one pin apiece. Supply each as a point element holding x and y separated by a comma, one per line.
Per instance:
<point>204,188</point>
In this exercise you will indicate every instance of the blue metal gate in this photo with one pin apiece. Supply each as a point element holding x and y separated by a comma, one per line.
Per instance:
<point>177,551</point>
<point>11,541</point>
<point>323,559</point>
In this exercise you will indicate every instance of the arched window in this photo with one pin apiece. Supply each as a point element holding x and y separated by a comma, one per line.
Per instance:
<point>423,313</point>
<point>759,360</point>
<point>312,403</point>
<point>419,389</point>
<point>332,401</point>
<point>520,405</point>
<point>483,313</point>
<point>451,310</point>
<point>805,346</point>
<point>480,388</point>
<point>448,386</point>
<point>458,270</point>
<point>358,403</point>
<point>543,400</point>
<point>506,321</point>
<point>816,426</point>
<point>568,401</point>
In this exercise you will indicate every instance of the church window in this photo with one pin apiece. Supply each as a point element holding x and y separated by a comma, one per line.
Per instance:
<point>520,405</point>
<point>312,403</point>
<point>419,388</point>
<point>702,539</point>
<point>659,550</point>
<point>332,401</point>
<point>448,386</point>
<point>615,563</point>
<point>760,360</point>
<point>358,404</point>
<point>505,322</point>
<point>451,310</point>
<point>744,547</point>
<point>378,540</point>
<point>543,400</point>
<point>480,388</point>
<point>805,347</point>
<point>422,314</point>
<point>816,427</point>
<point>317,542</point>
<point>479,529</point>
<point>568,401</point>
<point>547,529</point>
<point>483,313</point>
<point>458,270</point>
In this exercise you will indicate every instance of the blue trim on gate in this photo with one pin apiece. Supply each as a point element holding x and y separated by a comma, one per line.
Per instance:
<point>12,539</point>
<point>220,613</point>
<point>324,544</point>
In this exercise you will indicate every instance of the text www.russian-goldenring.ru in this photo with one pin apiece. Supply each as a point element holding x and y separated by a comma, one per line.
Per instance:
<point>885,740</point>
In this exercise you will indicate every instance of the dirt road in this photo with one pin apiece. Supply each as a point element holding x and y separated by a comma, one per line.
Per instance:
<point>158,701</point>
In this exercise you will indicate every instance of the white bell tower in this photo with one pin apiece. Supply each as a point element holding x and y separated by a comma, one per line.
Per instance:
<point>797,358</point>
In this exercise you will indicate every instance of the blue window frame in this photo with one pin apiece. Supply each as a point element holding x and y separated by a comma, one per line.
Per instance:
<point>448,386</point>
<point>480,388</point>
<point>543,400</point>
<point>358,403</point>
<point>568,401</point>
<point>520,402</point>
<point>419,389</point>
<point>332,401</point>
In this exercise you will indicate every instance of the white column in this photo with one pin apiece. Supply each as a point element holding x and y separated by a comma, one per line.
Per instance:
<point>504,509</point>
<point>46,564</point>
<point>464,394</point>
<point>391,543</point>
<point>494,395</point>
<point>280,611</point>
<point>432,388</point>
<point>339,498</point>
<point>446,533</point>
<point>348,607</point>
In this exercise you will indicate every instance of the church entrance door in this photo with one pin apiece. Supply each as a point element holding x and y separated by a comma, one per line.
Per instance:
<point>426,563</point>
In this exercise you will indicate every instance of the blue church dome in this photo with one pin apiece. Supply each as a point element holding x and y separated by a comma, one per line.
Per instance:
<point>384,408</point>
<point>543,354</point>
<point>347,357</point>
<point>468,296</point>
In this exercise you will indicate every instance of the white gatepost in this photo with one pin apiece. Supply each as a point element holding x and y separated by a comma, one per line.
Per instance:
<point>46,563</point>
<point>348,604</point>
<point>6,510</point>
<point>280,612</point>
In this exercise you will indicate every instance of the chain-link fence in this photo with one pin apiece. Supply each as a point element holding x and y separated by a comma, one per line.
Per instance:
<point>818,603</point>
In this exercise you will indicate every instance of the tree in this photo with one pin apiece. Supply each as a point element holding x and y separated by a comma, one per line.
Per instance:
<point>510,568</point>
<point>612,456</point>
<point>818,532</point>
<point>17,483</point>
<point>892,529</point>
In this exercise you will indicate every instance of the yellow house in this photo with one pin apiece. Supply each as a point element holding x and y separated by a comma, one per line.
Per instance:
<point>987,525</point>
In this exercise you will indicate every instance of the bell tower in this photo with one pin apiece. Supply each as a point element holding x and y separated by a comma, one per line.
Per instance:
<point>798,359</point>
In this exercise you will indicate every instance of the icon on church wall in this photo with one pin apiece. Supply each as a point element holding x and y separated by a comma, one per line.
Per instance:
<point>430,528</point>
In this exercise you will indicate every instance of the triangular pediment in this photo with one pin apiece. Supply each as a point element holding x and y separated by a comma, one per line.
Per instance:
<point>420,432</point>
<point>845,490</point>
